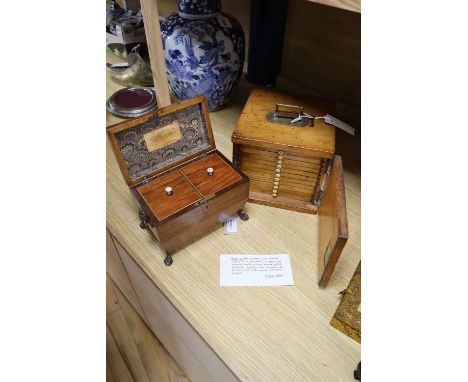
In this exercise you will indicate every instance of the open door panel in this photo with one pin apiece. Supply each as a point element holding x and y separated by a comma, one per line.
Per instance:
<point>333,222</point>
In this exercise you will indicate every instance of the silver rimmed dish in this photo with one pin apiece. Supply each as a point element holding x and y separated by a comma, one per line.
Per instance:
<point>132,102</point>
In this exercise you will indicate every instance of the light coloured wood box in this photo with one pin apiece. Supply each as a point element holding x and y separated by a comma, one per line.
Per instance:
<point>285,162</point>
<point>293,165</point>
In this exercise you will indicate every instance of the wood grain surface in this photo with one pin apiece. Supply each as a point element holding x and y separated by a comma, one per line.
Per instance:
<point>134,354</point>
<point>282,160</point>
<point>262,334</point>
<point>163,205</point>
<point>223,175</point>
<point>186,227</point>
<point>116,272</point>
<point>322,55</point>
<point>155,49</point>
<point>333,223</point>
<point>179,338</point>
<point>281,202</point>
<point>254,129</point>
<point>291,176</point>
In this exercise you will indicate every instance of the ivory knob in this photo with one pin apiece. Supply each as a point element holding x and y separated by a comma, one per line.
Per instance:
<point>275,182</point>
<point>278,166</point>
<point>274,195</point>
<point>280,161</point>
<point>278,170</point>
<point>280,153</point>
<point>210,171</point>
<point>168,191</point>
<point>275,187</point>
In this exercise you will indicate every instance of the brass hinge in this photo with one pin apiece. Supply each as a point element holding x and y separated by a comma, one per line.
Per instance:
<point>317,199</point>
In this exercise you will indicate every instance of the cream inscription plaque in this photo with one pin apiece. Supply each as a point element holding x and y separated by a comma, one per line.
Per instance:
<point>162,137</point>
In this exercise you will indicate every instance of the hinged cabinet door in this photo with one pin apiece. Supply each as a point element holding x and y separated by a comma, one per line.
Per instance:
<point>333,223</point>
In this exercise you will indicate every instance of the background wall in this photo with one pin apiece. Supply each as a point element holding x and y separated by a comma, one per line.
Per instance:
<point>321,52</point>
<point>322,55</point>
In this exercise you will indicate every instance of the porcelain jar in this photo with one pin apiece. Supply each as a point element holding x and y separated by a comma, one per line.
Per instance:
<point>204,51</point>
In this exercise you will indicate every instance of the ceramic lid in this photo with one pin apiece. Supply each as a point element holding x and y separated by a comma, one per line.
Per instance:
<point>198,8</point>
<point>156,142</point>
<point>131,102</point>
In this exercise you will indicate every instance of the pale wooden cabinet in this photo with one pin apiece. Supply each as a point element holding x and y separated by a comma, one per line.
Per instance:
<point>194,356</point>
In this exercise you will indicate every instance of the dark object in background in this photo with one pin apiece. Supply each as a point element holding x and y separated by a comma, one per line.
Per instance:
<point>357,372</point>
<point>131,102</point>
<point>267,23</point>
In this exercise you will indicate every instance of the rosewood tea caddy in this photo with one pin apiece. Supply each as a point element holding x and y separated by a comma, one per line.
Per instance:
<point>184,186</point>
<point>289,156</point>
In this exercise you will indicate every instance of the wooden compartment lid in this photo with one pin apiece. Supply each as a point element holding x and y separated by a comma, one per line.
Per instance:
<point>153,143</point>
<point>255,129</point>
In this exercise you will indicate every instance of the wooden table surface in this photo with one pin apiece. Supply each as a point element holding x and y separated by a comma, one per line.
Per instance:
<point>261,333</point>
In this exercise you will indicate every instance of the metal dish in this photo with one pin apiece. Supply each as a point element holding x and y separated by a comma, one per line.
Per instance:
<point>132,102</point>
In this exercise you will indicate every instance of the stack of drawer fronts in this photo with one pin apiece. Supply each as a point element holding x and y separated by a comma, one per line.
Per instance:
<point>281,173</point>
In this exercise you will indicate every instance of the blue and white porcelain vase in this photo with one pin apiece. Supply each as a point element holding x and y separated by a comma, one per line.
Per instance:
<point>204,50</point>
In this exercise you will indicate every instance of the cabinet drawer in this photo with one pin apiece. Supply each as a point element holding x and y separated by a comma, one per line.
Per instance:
<point>199,361</point>
<point>281,173</point>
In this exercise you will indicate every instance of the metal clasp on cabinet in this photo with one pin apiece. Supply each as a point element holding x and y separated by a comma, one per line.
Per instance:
<point>289,115</point>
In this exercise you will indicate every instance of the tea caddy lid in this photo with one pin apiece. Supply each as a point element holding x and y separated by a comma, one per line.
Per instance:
<point>160,140</point>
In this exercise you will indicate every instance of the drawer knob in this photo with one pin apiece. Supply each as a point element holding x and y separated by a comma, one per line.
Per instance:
<point>280,161</point>
<point>280,153</point>
<point>275,182</point>
<point>278,170</point>
<point>275,187</point>
<point>210,171</point>
<point>277,178</point>
<point>168,191</point>
<point>278,166</point>
<point>274,195</point>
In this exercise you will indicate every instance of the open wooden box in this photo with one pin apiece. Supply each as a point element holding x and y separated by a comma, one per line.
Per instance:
<point>293,165</point>
<point>184,185</point>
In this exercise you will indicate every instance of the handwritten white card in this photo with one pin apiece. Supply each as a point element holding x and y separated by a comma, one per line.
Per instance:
<point>231,226</point>
<point>255,270</point>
